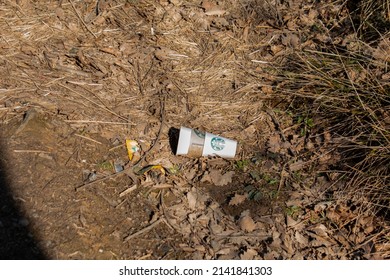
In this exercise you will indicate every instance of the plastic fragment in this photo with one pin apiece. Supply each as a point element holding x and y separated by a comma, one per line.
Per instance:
<point>132,147</point>
<point>151,167</point>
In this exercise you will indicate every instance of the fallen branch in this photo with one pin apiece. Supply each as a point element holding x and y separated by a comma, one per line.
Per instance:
<point>149,227</point>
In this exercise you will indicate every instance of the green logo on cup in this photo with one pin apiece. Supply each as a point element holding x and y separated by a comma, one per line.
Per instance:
<point>217,144</point>
<point>199,133</point>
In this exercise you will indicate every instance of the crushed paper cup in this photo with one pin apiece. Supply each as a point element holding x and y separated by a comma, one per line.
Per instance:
<point>195,143</point>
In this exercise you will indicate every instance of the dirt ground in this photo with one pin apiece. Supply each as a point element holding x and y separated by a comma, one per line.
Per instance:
<point>79,78</point>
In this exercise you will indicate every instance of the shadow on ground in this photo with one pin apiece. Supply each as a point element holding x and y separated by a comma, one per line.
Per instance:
<point>16,241</point>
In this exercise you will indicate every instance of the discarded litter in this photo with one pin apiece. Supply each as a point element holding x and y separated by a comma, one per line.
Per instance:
<point>118,167</point>
<point>195,143</point>
<point>152,167</point>
<point>132,148</point>
<point>89,176</point>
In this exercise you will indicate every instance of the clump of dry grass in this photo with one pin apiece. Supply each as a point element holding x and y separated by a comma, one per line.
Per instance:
<point>371,17</point>
<point>349,93</point>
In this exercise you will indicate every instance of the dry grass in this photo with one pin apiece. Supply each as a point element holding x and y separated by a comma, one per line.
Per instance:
<point>346,90</point>
<point>371,18</point>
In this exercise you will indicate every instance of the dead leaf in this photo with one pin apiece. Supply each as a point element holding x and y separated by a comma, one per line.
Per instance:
<point>227,254</point>
<point>276,49</point>
<point>382,52</point>
<point>212,9</point>
<point>249,254</point>
<point>272,255</point>
<point>333,216</point>
<point>301,239</point>
<point>342,240</point>
<point>176,2</point>
<point>60,13</point>
<point>287,244</point>
<point>208,5</point>
<point>237,199</point>
<point>320,241</point>
<point>274,143</point>
<point>215,228</point>
<point>190,174</point>
<point>224,251</point>
<point>192,199</point>
<point>246,222</point>
<point>163,53</point>
<point>291,40</point>
<point>220,179</point>
<point>291,223</point>
<point>296,166</point>
<point>319,207</point>
<point>320,229</point>
<point>267,89</point>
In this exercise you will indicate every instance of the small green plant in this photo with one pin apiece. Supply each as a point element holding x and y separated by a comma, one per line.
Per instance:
<point>242,164</point>
<point>254,193</point>
<point>270,180</point>
<point>175,169</point>
<point>293,211</point>
<point>306,124</point>
<point>105,165</point>
<point>273,194</point>
<point>255,175</point>
<point>297,175</point>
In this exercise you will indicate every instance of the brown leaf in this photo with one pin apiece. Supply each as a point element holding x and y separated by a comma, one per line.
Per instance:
<point>296,166</point>
<point>301,239</point>
<point>192,198</point>
<point>220,179</point>
<point>291,223</point>
<point>267,89</point>
<point>342,239</point>
<point>320,229</point>
<point>249,254</point>
<point>246,223</point>
<point>321,206</point>
<point>287,244</point>
<point>237,199</point>
<point>274,143</point>
<point>291,40</point>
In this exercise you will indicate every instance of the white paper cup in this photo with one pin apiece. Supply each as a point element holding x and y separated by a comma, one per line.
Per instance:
<point>195,143</point>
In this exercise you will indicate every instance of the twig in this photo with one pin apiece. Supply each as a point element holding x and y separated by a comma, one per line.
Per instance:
<point>149,227</point>
<point>87,138</point>
<point>100,122</point>
<point>128,190</point>
<point>78,15</point>
<point>31,151</point>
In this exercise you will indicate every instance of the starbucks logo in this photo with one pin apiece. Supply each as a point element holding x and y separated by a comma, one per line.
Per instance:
<point>199,133</point>
<point>217,144</point>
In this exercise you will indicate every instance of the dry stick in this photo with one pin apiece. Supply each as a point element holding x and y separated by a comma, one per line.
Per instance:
<point>85,25</point>
<point>149,227</point>
<point>88,138</point>
<point>31,151</point>
<point>99,122</point>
